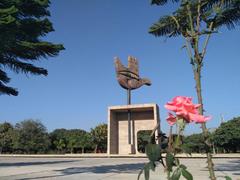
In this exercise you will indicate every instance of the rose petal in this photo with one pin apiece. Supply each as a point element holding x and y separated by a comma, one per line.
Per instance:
<point>170,107</point>
<point>171,119</point>
<point>199,118</point>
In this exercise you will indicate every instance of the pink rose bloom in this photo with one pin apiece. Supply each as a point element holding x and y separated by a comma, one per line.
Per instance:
<point>197,118</point>
<point>171,119</point>
<point>183,107</point>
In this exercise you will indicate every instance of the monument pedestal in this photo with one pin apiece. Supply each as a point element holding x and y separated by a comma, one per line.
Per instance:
<point>143,117</point>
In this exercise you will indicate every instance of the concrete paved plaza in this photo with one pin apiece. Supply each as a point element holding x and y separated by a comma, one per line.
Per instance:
<point>104,168</point>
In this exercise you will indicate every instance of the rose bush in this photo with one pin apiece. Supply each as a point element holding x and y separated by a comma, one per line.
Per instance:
<point>183,111</point>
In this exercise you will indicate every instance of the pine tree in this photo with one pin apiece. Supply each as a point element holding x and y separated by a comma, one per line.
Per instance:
<point>22,25</point>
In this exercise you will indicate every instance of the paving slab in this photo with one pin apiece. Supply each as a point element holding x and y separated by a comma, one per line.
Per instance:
<point>18,168</point>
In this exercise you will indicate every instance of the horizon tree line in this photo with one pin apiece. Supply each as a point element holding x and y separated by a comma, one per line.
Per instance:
<point>31,137</point>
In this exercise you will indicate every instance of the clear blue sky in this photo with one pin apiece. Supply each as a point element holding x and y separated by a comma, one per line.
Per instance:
<point>81,83</point>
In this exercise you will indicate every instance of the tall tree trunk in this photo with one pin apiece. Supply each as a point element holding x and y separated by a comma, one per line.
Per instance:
<point>82,150</point>
<point>170,140</point>
<point>197,77</point>
<point>95,150</point>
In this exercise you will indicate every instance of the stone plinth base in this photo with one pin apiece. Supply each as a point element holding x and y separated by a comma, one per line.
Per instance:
<point>143,117</point>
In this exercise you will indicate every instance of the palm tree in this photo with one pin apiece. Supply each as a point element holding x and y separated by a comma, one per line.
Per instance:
<point>196,21</point>
<point>99,137</point>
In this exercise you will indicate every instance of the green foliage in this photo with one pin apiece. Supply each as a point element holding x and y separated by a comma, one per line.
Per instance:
<point>228,178</point>
<point>153,152</point>
<point>22,25</point>
<point>85,141</point>
<point>73,138</point>
<point>99,137</point>
<point>176,174</point>
<point>70,140</point>
<point>60,145</point>
<point>170,161</point>
<point>181,170</point>
<point>161,2</point>
<point>219,13</point>
<point>193,143</point>
<point>31,137</point>
<point>6,137</point>
<point>143,138</point>
<point>146,169</point>
<point>58,140</point>
<point>187,175</point>
<point>227,136</point>
<point>172,165</point>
